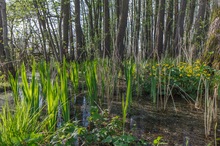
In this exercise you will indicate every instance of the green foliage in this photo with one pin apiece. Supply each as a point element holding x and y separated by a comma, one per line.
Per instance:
<point>2,77</point>
<point>129,67</point>
<point>107,130</point>
<point>68,134</point>
<point>90,69</point>
<point>63,91</point>
<point>50,93</point>
<point>128,100</point>
<point>123,140</point>
<point>215,14</point>
<point>74,76</point>
<point>20,126</point>
<point>153,89</point>
<point>18,123</point>
<point>182,77</point>
<point>14,86</point>
<point>158,140</point>
<point>30,92</point>
<point>102,125</point>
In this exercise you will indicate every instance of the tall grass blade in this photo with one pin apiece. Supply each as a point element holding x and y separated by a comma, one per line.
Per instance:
<point>128,100</point>
<point>50,93</point>
<point>74,76</point>
<point>63,92</point>
<point>20,126</point>
<point>30,91</point>
<point>91,81</point>
<point>14,86</point>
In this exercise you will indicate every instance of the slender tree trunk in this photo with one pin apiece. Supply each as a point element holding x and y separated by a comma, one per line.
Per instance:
<point>190,19</point>
<point>2,50</point>
<point>45,27</point>
<point>65,15</point>
<point>180,28</point>
<point>80,41</point>
<point>168,30</point>
<point>156,11</point>
<point>199,26</point>
<point>72,49</point>
<point>160,28</point>
<point>99,26</point>
<point>148,29</point>
<point>118,10</point>
<point>107,35</point>
<point>5,56</point>
<point>119,50</point>
<point>175,23</point>
<point>91,20</point>
<point>137,27</point>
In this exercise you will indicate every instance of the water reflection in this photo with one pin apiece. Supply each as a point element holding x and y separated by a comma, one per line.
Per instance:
<point>85,112</point>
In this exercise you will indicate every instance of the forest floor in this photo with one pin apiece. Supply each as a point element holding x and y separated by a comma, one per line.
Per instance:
<point>176,127</point>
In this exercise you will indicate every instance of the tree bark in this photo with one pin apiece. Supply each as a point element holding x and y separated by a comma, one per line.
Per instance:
<point>137,27</point>
<point>199,23</point>
<point>168,30</point>
<point>160,28</point>
<point>190,18</point>
<point>119,50</point>
<point>107,35</point>
<point>5,56</point>
<point>180,28</point>
<point>65,15</point>
<point>80,40</point>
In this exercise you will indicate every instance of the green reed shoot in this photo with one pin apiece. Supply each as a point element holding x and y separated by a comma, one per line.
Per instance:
<point>14,86</point>
<point>91,81</point>
<point>19,126</point>
<point>30,92</point>
<point>128,100</point>
<point>44,71</point>
<point>63,91</point>
<point>74,76</point>
<point>128,76</point>
<point>50,92</point>
<point>153,89</point>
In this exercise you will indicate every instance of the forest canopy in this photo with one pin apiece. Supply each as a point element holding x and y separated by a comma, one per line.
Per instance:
<point>93,28</point>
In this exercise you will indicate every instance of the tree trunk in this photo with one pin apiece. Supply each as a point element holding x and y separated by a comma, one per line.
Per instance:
<point>137,27</point>
<point>148,29</point>
<point>190,17</point>
<point>175,23</point>
<point>65,15</point>
<point>119,50</point>
<point>199,26</point>
<point>80,40</point>
<point>168,30</point>
<point>6,62</point>
<point>107,35</point>
<point>180,28</point>
<point>160,28</point>
<point>72,49</point>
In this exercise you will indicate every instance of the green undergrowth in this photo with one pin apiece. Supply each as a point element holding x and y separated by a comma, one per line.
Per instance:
<point>182,78</point>
<point>3,82</point>
<point>41,113</point>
